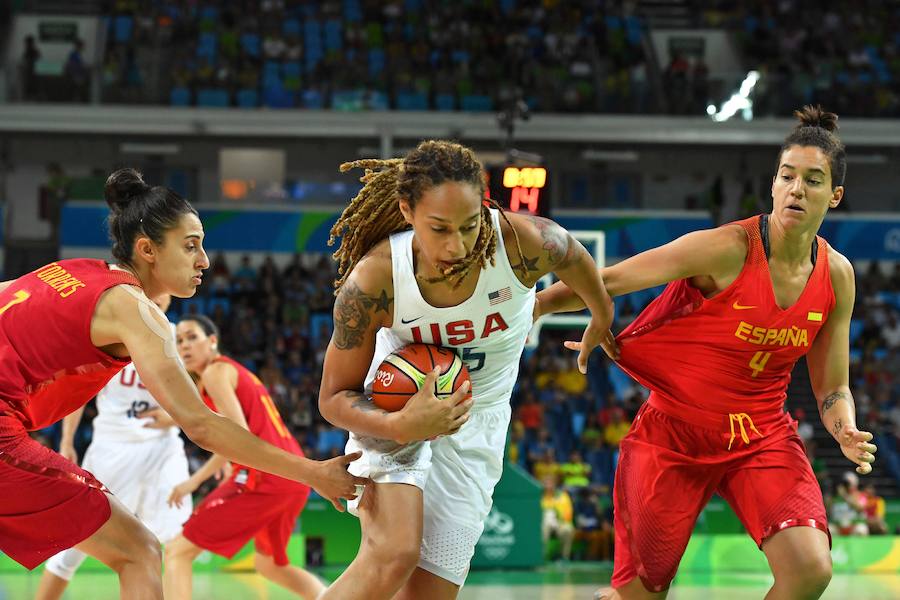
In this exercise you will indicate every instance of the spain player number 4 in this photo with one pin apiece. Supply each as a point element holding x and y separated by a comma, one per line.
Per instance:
<point>758,362</point>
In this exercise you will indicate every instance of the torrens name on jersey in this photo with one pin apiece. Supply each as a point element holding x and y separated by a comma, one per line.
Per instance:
<point>763,336</point>
<point>462,331</point>
<point>60,280</point>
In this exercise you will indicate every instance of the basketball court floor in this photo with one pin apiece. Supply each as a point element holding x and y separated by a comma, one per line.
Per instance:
<point>555,582</point>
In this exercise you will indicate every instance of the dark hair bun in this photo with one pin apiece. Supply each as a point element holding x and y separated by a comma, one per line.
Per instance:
<point>122,186</point>
<point>816,116</point>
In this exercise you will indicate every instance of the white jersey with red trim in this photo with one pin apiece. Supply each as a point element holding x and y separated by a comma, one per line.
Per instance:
<point>487,330</point>
<point>118,405</point>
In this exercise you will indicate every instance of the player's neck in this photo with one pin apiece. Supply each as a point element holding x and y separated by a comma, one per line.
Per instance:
<point>790,246</point>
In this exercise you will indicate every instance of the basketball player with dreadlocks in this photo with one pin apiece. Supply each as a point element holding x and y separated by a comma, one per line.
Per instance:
<point>422,259</point>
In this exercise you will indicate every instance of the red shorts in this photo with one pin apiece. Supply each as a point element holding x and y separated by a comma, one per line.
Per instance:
<point>668,470</point>
<point>231,515</point>
<point>47,503</point>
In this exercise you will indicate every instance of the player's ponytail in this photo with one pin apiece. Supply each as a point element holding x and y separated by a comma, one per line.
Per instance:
<point>122,186</point>
<point>138,209</point>
<point>816,116</point>
<point>816,128</point>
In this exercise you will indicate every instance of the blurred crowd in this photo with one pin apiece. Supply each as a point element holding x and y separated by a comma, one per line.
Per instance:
<point>477,56</point>
<point>566,427</point>
<point>846,57</point>
<point>368,54</point>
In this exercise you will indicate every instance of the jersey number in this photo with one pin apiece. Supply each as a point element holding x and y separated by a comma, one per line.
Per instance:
<point>758,362</point>
<point>469,356</point>
<point>20,297</point>
<point>273,414</point>
<point>138,406</point>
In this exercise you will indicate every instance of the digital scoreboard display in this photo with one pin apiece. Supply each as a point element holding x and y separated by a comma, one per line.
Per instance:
<point>520,189</point>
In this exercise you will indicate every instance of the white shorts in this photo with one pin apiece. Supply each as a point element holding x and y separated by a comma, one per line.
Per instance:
<point>457,475</point>
<point>141,475</point>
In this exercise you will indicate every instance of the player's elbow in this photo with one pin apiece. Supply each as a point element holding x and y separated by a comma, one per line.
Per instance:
<point>200,431</point>
<point>326,408</point>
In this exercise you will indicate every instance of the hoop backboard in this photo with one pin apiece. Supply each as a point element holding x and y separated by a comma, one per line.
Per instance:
<point>595,242</point>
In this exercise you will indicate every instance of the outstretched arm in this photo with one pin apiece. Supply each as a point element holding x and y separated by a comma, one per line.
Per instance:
<point>124,315</point>
<point>547,247</point>
<point>715,253</point>
<point>829,370</point>
<point>220,381</point>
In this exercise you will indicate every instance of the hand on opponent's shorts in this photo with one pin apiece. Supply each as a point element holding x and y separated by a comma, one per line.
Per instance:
<point>856,446</point>
<point>426,416</point>
<point>333,482</point>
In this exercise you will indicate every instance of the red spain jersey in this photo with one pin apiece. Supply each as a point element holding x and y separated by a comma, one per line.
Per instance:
<point>729,356</point>
<point>48,364</point>
<point>262,418</point>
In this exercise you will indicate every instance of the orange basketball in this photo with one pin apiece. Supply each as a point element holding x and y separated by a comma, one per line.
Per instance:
<point>402,374</point>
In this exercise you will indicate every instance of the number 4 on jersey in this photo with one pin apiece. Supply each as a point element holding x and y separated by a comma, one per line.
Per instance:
<point>758,362</point>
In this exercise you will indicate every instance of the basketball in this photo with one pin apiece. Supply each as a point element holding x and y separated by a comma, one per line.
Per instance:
<point>403,373</point>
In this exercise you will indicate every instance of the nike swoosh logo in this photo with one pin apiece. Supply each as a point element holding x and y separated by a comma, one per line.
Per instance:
<point>737,306</point>
<point>405,322</point>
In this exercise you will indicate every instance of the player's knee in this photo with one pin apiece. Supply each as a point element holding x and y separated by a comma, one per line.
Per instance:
<point>147,551</point>
<point>807,577</point>
<point>397,559</point>
<point>815,575</point>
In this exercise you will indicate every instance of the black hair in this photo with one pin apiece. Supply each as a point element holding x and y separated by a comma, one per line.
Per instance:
<point>816,128</point>
<point>205,323</point>
<point>140,209</point>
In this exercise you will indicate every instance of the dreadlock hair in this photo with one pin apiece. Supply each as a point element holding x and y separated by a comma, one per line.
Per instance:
<point>816,128</point>
<point>374,213</point>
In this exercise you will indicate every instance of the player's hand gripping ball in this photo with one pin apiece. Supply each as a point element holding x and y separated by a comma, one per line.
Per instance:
<point>403,373</point>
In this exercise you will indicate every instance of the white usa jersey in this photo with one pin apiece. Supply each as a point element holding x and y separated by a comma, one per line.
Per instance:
<point>118,405</point>
<point>487,330</point>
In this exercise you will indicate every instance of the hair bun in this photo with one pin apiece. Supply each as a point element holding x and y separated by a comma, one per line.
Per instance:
<point>122,186</point>
<point>816,116</point>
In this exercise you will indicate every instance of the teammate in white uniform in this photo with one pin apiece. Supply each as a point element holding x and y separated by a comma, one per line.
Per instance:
<point>461,277</point>
<point>138,453</point>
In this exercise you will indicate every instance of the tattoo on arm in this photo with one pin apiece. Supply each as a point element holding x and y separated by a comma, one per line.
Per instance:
<point>559,246</point>
<point>525,269</point>
<point>362,403</point>
<point>836,428</point>
<point>351,314</point>
<point>832,398</point>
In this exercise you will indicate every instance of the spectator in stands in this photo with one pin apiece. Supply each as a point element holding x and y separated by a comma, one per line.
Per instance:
<point>30,56</point>
<point>593,526</point>
<point>617,428</point>
<point>76,73</point>
<point>546,467</point>
<point>874,509</point>
<point>848,507</point>
<point>557,519</point>
<point>575,473</point>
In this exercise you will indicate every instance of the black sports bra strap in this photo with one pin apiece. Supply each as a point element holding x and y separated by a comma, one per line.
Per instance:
<point>764,234</point>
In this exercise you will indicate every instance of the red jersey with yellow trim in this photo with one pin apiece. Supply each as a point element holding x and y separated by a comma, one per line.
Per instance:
<point>263,421</point>
<point>733,353</point>
<point>48,364</point>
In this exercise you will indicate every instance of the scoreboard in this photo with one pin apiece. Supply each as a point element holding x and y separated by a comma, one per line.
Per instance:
<point>520,189</point>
